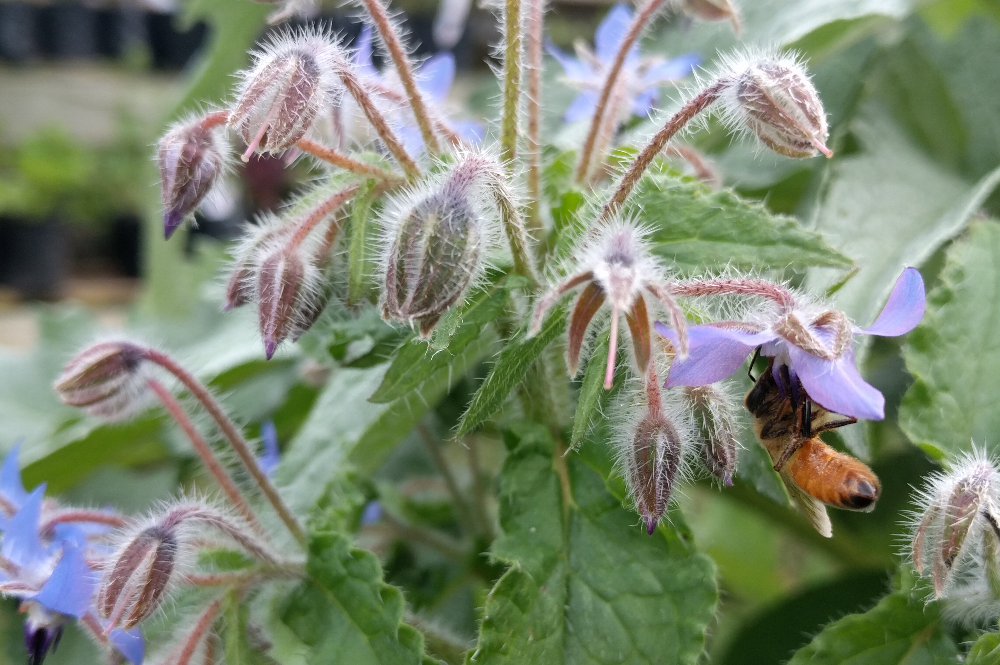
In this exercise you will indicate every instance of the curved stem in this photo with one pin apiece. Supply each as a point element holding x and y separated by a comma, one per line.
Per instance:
<point>394,45</point>
<point>198,631</point>
<point>639,22</point>
<point>734,287</point>
<point>536,14</point>
<point>343,161</point>
<point>212,463</point>
<point>235,438</point>
<point>693,107</point>
<point>215,119</point>
<point>319,214</point>
<point>511,81</point>
<point>83,515</point>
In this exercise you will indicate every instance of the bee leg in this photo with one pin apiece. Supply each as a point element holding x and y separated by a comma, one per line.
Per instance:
<point>756,354</point>
<point>834,424</point>
<point>793,446</point>
<point>804,412</point>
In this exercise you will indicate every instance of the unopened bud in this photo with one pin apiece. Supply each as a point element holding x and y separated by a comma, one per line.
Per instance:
<point>712,10</point>
<point>285,289</point>
<point>105,379</point>
<point>292,80</point>
<point>774,98</point>
<point>138,578</point>
<point>653,459</point>
<point>434,256</point>
<point>190,156</point>
<point>713,411</point>
<point>240,288</point>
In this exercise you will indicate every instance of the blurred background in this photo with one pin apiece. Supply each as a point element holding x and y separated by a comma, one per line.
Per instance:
<point>86,88</point>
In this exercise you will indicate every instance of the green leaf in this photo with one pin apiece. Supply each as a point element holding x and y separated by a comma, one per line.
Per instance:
<point>586,584</point>
<point>345,613</point>
<point>952,401</point>
<point>235,615</point>
<point>985,651</point>
<point>699,229</point>
<point>898,630</point>
<point>890,206</point>
<point>590,391</point>
<point>417,360</point>
<point>510,370</point>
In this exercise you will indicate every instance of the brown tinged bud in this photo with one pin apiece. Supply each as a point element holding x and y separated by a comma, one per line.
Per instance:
<point>292,80</point>
<point>281,295</point>
<point>240,288</point>
<point>712,10</point>
<point>105,379</point>
<point>190,157</point>
<point>652,464</point>
<point>716,419</point>
<point>772,97</point>
<point>138,578</point>
<point>435,252</point>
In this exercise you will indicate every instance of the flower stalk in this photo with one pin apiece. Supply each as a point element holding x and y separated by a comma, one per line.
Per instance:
<point>345,162</point>
<point>512,55</point>
<point>536,17</point>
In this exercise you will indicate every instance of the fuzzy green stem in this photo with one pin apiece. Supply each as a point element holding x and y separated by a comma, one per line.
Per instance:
<point>536,17</point>
<point>319,214</point>
<point>512,54</point>
<point>235,438</point>
<point>394,45</point>
<point>676,123</point>
<point>345,162</point>
<point>639,22</point>
<point>461,505</point>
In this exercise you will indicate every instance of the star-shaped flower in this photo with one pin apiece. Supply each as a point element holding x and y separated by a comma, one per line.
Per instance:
<point>816,345</point>
<point>639,80</point>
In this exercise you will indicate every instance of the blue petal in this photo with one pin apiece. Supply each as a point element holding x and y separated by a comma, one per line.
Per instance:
<point>469,130</point>
<point>573,67</point>
<point>436,75</point>
<point>582,106</point>
<point>672,70</point>
<point>76,533</point>
<point>836,385</point>
<point>714,353</point>
<point>644,101</point>
<point>10,478</point>
<point>611,32</point>
<point>412,140</point>
<point>130,643</point>
<point>272,455</point>
<point>905,307</point>
<point>71,586</point>
<point>363,53</point>
<point>21,544</point>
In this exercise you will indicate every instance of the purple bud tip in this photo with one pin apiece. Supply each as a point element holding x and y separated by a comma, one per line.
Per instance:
<point>651,524</point>
<point>270,345</point>
<point>171,220</point>
<point>728,480</point>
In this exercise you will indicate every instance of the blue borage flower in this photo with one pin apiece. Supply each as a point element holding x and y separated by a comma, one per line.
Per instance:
<point>435,77</point>
<point>48,572</point>
<point>815,346</point>
<point>641,77</point>
<point>270,457</point>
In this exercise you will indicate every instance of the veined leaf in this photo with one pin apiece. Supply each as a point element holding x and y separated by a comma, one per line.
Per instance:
<point>699,229</point>
<point>510,369</point>
<point>899,630</point>
<point>951,354</point>
<point>586,584</point>
<point>345,613</point>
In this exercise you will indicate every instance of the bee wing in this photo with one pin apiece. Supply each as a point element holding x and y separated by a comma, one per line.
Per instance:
<point>814,511</point>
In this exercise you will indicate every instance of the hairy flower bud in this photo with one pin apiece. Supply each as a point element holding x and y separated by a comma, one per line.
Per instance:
<point>436,247</point>
<point>240,288</point>
<point>191,157</point>
<point>712,10</point>
<point>957,522</point>
<point>772,97</point>
<point>292,80</point>
<point>652,464</point>
<point>282,295</point>
<point>713,410</point>
<point>105,379</point>
<point>138,577</point>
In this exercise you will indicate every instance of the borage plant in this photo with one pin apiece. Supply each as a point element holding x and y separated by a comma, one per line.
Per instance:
<point>552,295</point>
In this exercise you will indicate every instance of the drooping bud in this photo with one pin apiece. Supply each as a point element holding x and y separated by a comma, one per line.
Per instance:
<point>240,287</point>
<point>712,10</point>
<point>191,157</point>
<point>957,515</point>
<point>43,629</point>
<point>653,461</point>
<point>293,78</point>
<point>772,97</point>
<point>437,241</point>
<point>280,294</point>
<point>105,379</point>
<point>717,421</point>
<point>138,578</point>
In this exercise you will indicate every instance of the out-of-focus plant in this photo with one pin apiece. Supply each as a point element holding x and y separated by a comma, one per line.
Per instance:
<point>508,364</point>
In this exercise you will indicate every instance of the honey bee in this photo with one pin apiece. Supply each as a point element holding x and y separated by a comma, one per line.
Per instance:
<point>788,423</point>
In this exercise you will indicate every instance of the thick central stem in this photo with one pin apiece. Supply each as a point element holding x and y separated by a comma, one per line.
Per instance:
<point>511,81</point>
<point>536,13</point>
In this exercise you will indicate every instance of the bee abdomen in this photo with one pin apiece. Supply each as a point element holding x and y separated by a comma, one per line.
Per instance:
<point>834,478</point>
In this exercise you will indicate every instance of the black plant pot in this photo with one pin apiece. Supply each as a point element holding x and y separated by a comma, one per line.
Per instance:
<point>125,236</point>
<point>121,30</point>
<point>171,48</point>
<point>17,31</point>
<point>33,257</point>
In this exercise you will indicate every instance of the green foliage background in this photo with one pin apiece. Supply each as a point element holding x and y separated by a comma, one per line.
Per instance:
<point>546,565</point>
